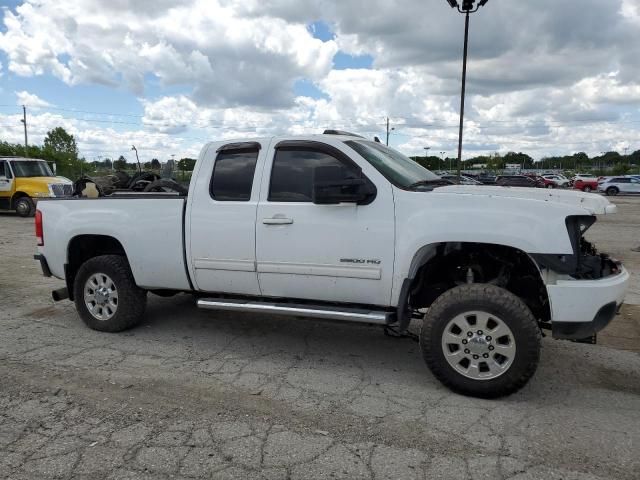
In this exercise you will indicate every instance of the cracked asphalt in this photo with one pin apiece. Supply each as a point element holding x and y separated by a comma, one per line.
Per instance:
<point>194,394</point>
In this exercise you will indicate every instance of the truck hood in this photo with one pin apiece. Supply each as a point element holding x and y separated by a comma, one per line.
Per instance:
<point>591,202</point>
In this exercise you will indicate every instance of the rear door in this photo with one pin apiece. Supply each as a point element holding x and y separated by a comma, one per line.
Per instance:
<point>6,184</point>
<point>635,185</point>
<point>341,253</point>
<point>221,219</point>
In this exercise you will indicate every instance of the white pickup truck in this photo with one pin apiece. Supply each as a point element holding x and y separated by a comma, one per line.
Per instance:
<point>338,227</point>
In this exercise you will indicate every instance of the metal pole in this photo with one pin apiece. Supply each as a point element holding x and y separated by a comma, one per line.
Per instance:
<point>387,131</point>
<point>464,87</point>
<point>24,121</point>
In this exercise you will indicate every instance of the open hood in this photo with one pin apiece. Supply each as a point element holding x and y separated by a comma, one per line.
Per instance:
<point>593,203</point>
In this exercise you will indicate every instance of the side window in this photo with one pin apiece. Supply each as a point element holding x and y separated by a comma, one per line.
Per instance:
<point>293,172</point>
<point>2,168</point>
<point>233,174</point>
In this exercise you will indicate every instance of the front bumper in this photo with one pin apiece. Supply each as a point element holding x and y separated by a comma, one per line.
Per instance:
<point>581,308</point>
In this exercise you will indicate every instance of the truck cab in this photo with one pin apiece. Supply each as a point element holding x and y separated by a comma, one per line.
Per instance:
<point>23,181</point>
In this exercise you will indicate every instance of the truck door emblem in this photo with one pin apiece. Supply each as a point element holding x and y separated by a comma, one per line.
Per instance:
<point>372,261</point>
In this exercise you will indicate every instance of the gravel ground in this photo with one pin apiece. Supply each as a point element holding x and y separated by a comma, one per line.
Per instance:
<point>193,394</point>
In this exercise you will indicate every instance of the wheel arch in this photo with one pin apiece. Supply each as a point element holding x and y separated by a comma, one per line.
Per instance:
<point>439,267</point>
<point>84,247</point>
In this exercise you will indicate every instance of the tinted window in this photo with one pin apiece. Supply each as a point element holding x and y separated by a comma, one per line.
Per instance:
<point>293,171</point>
<point>233,175</point>
<point>621,180</point>
<point>2,168</point>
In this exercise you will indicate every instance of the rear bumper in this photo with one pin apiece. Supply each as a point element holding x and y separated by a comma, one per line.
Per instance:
<point>580,308</point>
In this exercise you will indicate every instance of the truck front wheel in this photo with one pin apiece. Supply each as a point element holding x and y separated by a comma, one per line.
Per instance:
<point>481,340</point>
<point>24,207</point>
<point>106,295</point>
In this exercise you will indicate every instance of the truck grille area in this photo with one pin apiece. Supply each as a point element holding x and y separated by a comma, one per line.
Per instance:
<point>62,190</point>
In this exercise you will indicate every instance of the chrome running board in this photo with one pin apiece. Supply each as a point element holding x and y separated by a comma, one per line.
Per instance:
<point>379,317</point>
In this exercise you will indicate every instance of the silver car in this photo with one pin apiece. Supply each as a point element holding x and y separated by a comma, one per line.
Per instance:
<point>616,185</point>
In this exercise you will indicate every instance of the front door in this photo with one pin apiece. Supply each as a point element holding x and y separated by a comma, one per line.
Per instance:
<point>222,221</point>
<point>341,253</point>
<point>6,184</point>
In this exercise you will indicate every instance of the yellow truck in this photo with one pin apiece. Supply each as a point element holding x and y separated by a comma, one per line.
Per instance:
<point>25,180</point>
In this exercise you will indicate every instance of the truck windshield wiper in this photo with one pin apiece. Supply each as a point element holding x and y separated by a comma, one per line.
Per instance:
<point>440,182</point>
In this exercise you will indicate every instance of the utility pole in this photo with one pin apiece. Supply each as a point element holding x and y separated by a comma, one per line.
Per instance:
<point>389,130</point>
<point>24,122</point>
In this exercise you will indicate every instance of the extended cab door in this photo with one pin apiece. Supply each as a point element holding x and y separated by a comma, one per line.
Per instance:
<point>336,252</point>
<point>221,219</point>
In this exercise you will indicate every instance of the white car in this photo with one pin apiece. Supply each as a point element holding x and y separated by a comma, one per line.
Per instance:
<point>615,185</point>
<point>338,227</point>
<point>558,180</point>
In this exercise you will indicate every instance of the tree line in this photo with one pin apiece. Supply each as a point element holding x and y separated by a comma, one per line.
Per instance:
<point>60,147</point>
<point>607,162</point>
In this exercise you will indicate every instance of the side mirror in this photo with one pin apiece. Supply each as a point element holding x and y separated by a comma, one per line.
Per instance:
<point>331,188</point>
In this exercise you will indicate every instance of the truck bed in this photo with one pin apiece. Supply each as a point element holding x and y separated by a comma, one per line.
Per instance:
<point>149,226</point>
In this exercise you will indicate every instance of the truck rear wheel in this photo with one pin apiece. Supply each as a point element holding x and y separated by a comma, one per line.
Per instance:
<point>106,295</point>
<point>481,340</point>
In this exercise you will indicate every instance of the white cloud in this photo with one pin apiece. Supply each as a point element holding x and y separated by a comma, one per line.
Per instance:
<point>31,100</point>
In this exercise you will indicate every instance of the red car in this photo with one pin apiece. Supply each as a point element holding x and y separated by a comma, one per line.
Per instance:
<point>586,184</point>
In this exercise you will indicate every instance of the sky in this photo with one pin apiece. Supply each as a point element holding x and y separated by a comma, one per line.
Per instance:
<point>544,77</point>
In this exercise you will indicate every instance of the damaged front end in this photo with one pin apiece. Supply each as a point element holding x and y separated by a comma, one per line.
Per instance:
<point>586,263</point>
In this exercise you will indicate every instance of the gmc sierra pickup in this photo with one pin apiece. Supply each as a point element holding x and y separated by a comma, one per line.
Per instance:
<point>338,227</point>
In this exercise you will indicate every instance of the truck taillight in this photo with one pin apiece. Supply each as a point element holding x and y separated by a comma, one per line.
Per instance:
<point>39,234</point>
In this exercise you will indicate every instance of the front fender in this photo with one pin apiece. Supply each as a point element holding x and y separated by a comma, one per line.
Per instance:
<point>424,219</point>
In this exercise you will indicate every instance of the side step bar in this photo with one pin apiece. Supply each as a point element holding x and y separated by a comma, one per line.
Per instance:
<point>379,317</point>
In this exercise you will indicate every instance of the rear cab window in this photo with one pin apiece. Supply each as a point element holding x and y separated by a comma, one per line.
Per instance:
<point>233,172</point>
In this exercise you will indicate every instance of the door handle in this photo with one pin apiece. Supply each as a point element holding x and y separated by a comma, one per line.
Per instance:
<point>277,221</point>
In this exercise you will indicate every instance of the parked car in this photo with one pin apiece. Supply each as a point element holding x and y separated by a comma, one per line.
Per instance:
<point>582,176</point>
<point>616,185</point>
<point>340,227</point>
<point>554,181</point>
<point>24,181</point>
<point>464,180</point>
<point>486,178</point>
<point>586,184</point>
<point>516,181</point>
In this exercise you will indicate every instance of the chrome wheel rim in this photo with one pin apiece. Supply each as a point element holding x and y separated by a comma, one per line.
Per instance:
<point>101,296</point>
<point>478,345</point>
<point>22,208</point>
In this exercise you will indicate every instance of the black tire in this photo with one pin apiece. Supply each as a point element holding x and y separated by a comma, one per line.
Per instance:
<point>587,189</point>
<point>166,186</point>
<point>131,300</point>
<point>24,207</point>
<point>612,191</point>
<point>494,301</point>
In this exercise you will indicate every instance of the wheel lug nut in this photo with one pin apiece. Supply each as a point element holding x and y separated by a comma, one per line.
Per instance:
<point>469,334</point>
<point>466,350</point>
<point>488,337</point>
<point>491,347</point>
<point>464,342</point>
<point>475,357</point>
<point>485,355</point>
<point>479,332</point>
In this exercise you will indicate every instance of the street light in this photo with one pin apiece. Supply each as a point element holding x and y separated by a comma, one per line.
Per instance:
<point>467,8</point>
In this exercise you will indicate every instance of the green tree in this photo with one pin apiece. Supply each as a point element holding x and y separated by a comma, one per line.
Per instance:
<point>60,147</point>
<point>155,164</point>
<point>186,164</point>
<point>120,164</point>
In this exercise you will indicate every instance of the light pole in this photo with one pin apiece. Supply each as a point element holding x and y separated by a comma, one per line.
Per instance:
<point>467,8</point>
<point>133,147</point>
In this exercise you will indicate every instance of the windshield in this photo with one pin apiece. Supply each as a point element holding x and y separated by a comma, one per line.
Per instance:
<point>397,168</point>
<point>31,168</point>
